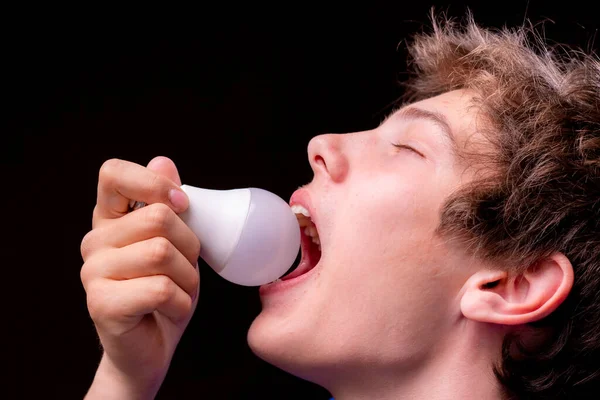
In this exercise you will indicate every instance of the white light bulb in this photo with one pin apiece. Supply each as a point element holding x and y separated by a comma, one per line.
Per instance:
<point>248,236</point>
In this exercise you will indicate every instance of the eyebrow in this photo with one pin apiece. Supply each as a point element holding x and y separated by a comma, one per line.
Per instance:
<point>439,119</point>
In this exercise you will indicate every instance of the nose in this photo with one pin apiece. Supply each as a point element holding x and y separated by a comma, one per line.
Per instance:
<point>326,157</point>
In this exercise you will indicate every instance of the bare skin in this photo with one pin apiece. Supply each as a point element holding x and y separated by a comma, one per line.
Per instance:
<point>392,310</point>
<point>140,276</point>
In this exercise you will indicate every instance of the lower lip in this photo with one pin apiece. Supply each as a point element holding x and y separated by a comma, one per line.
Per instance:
<point>281,286</point>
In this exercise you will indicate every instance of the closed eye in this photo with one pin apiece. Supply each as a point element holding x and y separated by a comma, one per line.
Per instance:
<point>403,146</point>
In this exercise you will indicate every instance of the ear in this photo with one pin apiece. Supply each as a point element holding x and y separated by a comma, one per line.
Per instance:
<point>493,296</point>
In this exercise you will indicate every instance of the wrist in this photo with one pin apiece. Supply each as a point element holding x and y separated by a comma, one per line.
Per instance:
<point>110,383</point>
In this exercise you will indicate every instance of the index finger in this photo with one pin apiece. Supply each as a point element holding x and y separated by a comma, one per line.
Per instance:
<point>121,181</point>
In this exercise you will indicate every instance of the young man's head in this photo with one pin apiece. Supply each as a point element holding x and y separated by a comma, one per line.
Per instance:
<point>460,238</point>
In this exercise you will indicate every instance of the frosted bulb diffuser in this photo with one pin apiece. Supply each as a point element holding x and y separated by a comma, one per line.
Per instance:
<point>248,236</point>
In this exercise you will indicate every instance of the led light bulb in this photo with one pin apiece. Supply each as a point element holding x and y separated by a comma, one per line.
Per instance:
<point>248,236</point>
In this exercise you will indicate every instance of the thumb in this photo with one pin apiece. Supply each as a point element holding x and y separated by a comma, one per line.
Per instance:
<point>165,167</point>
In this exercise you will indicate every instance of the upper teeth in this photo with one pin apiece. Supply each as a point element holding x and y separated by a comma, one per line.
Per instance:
<point>304,221</point>
<point>298,209</point>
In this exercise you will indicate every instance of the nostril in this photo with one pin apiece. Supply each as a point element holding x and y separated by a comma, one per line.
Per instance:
<point>326,157</point>
<point>320,161</point>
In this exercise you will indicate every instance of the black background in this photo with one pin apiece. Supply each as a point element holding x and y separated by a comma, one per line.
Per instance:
<point>232,94</point>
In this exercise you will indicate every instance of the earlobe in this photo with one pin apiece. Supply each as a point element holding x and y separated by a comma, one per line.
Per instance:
<point>492,296</point>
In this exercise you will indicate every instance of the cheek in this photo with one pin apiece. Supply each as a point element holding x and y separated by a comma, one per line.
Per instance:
<point>386,215</point>
<point>385,233</point>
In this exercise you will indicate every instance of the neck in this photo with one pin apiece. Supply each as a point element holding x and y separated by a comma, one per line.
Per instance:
<point>458,368</point>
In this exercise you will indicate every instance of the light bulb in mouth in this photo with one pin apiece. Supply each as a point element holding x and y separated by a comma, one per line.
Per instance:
<point>250,236</point>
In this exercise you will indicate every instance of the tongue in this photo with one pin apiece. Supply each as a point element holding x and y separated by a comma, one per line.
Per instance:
<point>302,268</point>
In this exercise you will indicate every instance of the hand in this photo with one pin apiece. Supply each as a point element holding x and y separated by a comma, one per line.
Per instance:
<point>140,272</point>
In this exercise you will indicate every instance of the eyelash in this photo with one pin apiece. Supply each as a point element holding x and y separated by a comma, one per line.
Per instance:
<point>403,146</point>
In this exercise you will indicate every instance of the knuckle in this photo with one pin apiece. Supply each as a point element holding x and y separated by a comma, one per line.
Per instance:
<point>84,274</point>
<point>89,271</point>
<point>109,170</point>
<point>96,304</point>
<point>186,306</point>
<point>85,248</point>
<point>164,289</point>
<point>161,251</point>
<point>159,216</point>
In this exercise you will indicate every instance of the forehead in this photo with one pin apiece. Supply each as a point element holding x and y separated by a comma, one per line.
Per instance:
<point>459,108</point>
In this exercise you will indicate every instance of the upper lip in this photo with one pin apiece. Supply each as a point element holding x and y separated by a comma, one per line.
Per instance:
<point>301,197</point>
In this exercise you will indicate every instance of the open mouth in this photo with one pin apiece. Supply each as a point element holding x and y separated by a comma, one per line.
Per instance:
<point>310,244</point>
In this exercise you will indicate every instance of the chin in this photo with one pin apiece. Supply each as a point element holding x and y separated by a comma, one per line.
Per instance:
<point>287,348</point>
<point>272,342</point>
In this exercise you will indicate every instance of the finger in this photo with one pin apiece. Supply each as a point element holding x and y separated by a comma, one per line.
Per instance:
<point>121,181</point>
<point>153,257</point>
<point>165,167</point>
<point>148,222</point>
<point>123,301</point>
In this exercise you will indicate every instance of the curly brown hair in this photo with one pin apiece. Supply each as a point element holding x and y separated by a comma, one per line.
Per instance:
<point>543,108</point>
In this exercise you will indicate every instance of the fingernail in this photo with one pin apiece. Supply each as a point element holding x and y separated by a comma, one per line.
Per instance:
<point>178,199</point>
